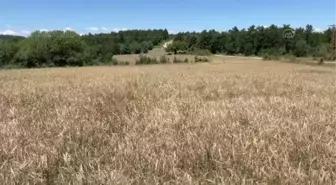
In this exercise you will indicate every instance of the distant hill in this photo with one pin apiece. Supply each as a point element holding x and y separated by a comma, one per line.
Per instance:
<point>10,37</point>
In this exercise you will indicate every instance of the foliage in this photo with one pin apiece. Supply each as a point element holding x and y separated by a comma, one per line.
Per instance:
<point>164,60</point>
<point>146,46</point>
<point>135,47</point>
<point>146,60</point>
<point>176,60</point>
<point>8,50</point>
<point>255,40</point>
<point>323,51</point>
<point>55,48</point>
<point>125,49</point>
<point>201,52</point>
<point>127,39</point>
<point>201,59</point>
<point>67,48</point>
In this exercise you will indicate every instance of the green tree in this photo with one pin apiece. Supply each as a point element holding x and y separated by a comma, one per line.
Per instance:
<point>125,49</point>
<point>301,48</point>
<point>55,48</point>
<point>8,49</point>
<point>135,47</point>
<point>145,46</point>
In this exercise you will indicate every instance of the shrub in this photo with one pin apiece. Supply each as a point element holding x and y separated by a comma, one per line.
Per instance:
<point>205,59</point>
<point>146,46</point>
<point>320,61</point>
<point>201,59</point>
<point>123,63</point>
<point>164,60</point>
<point>323,51</point>
<point>125,49</point>
<point>135,47</point>
<point>114,62</point>
<point>271,54</point>
<point>270,57</point>
<point>177,60</point>
<point>146,60</point>
<point>196,59</point>
<point>201,52</point>
<point>290,58</point>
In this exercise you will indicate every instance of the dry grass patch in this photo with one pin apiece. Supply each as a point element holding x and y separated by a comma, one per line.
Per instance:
<point>158,53</point>
<point>232,123</point>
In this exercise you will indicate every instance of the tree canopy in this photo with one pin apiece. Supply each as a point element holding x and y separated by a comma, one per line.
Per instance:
<point>67,48</point>
<point>255,40</point>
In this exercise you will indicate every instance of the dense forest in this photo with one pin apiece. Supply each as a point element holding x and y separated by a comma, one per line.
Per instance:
<point>67,48</point>
<point>11,37</point>
<point>259,40</point>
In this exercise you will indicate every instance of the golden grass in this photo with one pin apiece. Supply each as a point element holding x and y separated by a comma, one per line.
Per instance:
<point>230,123</point>
<point>157,53</point>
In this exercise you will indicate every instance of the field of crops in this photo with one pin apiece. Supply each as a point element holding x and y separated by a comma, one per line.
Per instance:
<point>232,122</point>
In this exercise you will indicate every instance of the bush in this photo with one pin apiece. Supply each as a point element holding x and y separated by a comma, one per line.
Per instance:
<point>201,52</point>
<point>320,61</point>
<point>135,47</point>
<point>114,61</point>
<point>271,54</point>
<point>164,60</point>
<point>125,49</point>
<point>145,60</point>
<point>270,57</point>
<point>201,59</point>
<point>323,51</point>
<point>177,60</point>
<point>186,60</point>
<point>146,46</point>
<point>55,48</point>
<point>124,63</point>
<point>290,58</point>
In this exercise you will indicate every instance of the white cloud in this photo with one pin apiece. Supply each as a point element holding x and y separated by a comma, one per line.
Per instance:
<point>68,29</point>
<point>104,28</point>
<point>25,32</point>
<point>12,32</point>
<point>119,29</point>
<point>172,32</point>
<point>92,28</point>
<point>8,32</point>
<point>319,30</point>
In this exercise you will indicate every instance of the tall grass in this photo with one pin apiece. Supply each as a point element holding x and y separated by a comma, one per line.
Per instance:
<point>246,123</point>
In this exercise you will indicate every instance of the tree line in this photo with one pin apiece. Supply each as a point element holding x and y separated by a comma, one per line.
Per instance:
<point>67,48</point>
<point>257,40</point>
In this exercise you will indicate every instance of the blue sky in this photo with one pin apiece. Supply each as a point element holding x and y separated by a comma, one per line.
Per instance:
<point>23,16</point>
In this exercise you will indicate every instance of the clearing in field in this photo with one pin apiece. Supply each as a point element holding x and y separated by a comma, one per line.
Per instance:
<point>242,121</point>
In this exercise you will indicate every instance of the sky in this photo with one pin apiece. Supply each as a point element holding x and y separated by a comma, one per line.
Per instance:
<point>21,17</point>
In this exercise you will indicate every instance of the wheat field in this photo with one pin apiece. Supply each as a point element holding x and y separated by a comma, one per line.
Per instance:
<point>233,122</point>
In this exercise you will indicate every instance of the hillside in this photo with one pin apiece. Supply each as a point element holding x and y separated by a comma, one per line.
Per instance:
<point>6,37</point>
